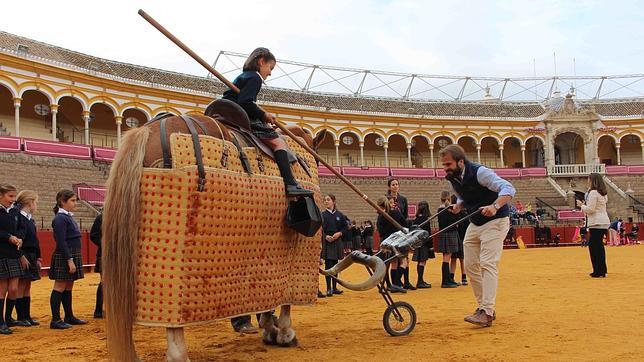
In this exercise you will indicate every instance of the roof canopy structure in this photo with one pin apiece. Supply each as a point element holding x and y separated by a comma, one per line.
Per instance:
<point>407,86</point>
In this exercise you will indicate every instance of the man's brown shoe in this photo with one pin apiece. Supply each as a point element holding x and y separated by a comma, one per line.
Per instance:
<point>480,318</point>
<point>493,315</point>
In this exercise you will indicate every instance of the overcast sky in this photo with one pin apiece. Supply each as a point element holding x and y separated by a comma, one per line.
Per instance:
<point>477,38</point>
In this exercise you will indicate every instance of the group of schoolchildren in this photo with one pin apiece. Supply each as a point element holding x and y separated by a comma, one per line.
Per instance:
<point>21,259</point>
<point>450,244</point>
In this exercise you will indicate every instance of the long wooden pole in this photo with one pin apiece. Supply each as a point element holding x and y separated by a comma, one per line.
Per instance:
<point>230,85</point>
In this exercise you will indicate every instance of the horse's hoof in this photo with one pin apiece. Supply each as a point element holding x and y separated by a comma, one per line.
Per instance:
<point>293,343</point>
<point>270,338</point>
<point>287,338</point>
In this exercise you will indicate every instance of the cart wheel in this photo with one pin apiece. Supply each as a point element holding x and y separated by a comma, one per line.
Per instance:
<point>399,319</point>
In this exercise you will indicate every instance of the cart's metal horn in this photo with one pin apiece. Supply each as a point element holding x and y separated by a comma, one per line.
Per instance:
<point>376,264</point>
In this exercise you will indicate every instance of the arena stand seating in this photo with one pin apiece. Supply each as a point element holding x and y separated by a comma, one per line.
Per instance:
<point>48,166</point>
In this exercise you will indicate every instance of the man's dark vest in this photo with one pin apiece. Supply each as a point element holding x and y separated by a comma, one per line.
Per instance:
<point>475,196</point>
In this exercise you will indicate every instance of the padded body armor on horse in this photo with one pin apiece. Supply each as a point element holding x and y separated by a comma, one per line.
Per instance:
<point>194,230</point>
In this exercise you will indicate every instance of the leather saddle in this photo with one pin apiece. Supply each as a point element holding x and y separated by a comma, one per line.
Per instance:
<point>236,120</point>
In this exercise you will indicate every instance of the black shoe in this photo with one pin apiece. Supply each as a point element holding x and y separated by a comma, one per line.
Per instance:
<point>75,321</point>
<point>4,329</point>
<point>423,285</point>
<point>23,323</point>
<point>17,323</point>
<point>297,190</point>
<point>449,285</point>
<point>329,293</point>
<point>321,295</point>
<point>246,328</point>
<point>409,287</point>
<point>337,291</point>
<point>464,282</point>
<point>397,289</point>
<point>33,322</point>
<point>59,324</point>
<point>98,315</point>
<point>593,275</point>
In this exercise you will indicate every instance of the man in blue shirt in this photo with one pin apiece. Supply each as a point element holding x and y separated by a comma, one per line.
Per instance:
<point>479,188</point>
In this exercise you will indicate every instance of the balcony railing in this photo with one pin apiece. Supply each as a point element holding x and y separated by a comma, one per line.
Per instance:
<point>576,170</point>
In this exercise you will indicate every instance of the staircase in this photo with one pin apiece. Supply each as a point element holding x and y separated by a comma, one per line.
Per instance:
<point>617,205</point>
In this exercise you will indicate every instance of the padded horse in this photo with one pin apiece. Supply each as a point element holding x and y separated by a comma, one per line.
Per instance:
<point>193,233</point>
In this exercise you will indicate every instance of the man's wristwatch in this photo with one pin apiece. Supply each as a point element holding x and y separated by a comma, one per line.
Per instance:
<point>496,206</point>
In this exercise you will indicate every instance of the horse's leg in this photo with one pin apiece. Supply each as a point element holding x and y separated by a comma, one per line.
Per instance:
<point>286,335</point>
<point>267,321</point>
<point>177,351</point>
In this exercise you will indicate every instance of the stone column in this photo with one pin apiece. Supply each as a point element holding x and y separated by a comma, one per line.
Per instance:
<point>618,146</point>
<point>409,155</point>
<point>431,153</point>
<point>54,127</point>
<point>478,152</point>
<point>501,156</point>
<point>86,122</point>
<point>523,156</point>
<point>337,152</point>
<point>549,147</point>
<point>385,146</point>
<point>642,147</point>
<point>119,121</point>
<point>361,154</point>
<point>16,114</point>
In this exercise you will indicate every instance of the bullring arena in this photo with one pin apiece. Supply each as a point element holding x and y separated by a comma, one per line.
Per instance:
<point>64,115</point>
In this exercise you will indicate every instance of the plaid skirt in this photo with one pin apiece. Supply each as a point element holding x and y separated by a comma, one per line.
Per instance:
<point>357,242</point>
<point>59,269</point>
<point>262,130</point>
<point>448,242</point>
<point>33,273</point>
<point>10,268</point>
<point>424,252</point>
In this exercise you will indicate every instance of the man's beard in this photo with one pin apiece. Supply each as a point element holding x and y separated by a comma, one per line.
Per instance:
<point>453,174</point>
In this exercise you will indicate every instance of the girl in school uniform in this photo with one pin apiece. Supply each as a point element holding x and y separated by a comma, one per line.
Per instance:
<point>257,68</point>
<point>66,262</point>
<point>400,203</point>
<point>96,236</point>
<point>448,240</point>
<point>28,201</point>
<point>334,225</point>
<point>385,229</point>
<point>11,264</point>
<point>367,237</point>
<point>426,251</point>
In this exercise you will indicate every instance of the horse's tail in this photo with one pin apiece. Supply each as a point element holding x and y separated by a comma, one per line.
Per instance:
<point>120,233</point>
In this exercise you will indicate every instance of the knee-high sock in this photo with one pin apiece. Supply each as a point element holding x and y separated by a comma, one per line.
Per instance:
<point>396,276</point>
<point>420,270</point>
<point>20,309</point>
<point>1,309</point>
<point>9,311</point>
<point>405,274</point>
<point>281,158</point>
<point>445,272</point>
<point>67,304</point>
<point>54,302</point>
<point>27,307</point>
<point>99,299</point>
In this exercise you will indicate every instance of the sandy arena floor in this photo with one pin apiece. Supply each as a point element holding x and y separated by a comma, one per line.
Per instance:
<point>548,309</point>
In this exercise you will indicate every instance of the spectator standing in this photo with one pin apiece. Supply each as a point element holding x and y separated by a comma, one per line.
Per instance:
<point>598,222</point>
